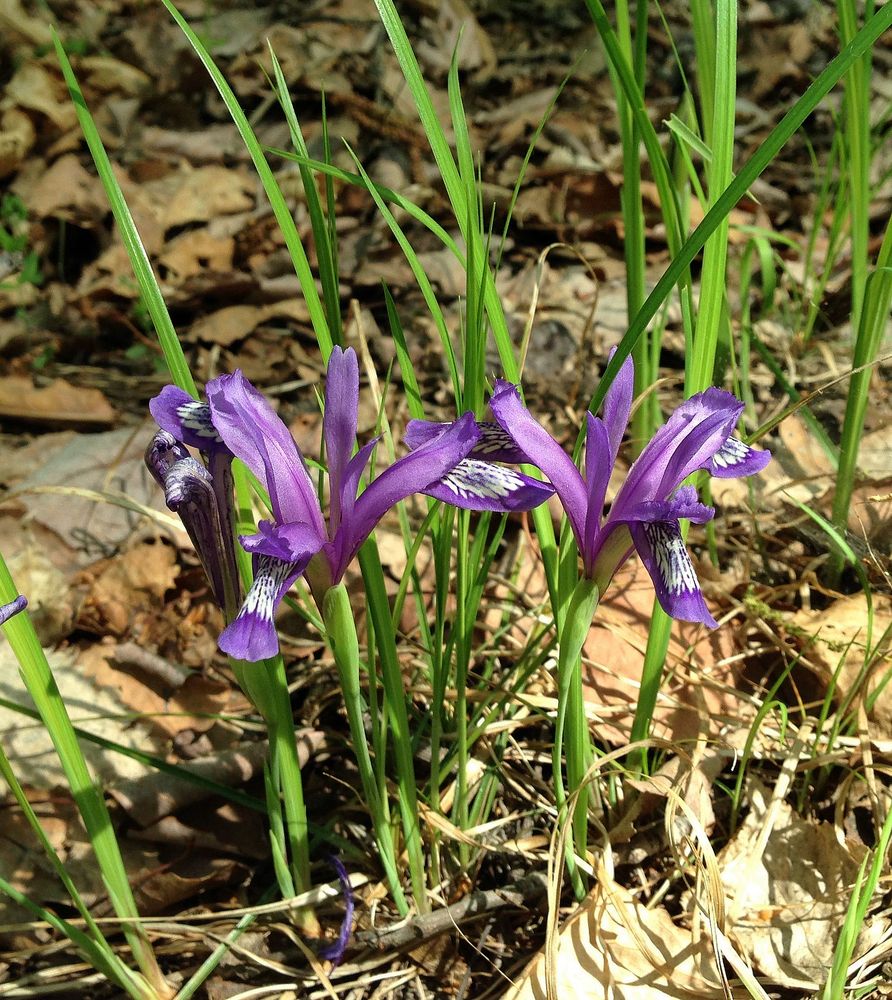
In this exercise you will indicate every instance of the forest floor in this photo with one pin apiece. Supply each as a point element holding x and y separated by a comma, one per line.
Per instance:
<point>119,598</point>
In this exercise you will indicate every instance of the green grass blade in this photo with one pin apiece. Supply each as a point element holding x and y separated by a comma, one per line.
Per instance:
<point>269,182</point>
<point>819,88</point>
<point>139,261</point>
<point>424,284</point>
<point>41,685</point>
<point>326,253</point>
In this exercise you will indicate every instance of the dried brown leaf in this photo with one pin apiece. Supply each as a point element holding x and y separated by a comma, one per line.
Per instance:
<point>600,955</point>
<point>787,894</point>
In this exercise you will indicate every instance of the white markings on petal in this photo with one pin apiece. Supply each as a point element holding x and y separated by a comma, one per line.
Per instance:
<point>470,479</point>
<point>492,438</point>
<point>732,452</point>
<point>197,417</point>
<point>671,558</point>
<point>261,598</point>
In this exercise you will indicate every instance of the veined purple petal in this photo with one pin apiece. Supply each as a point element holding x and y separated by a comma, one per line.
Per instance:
<point>289,542</point>
<point>494,444</point>
<point>411,474</point>
<point>350,484</point>
<point>665,556</point>
<point>684,444</point>
<point>339,423</point>
<point>684,503</point>
<point>532,438</point>
<point>185,418</point>
<point>256,434</point>
<point>12,608</point>
<point>618,406</point>
<point>598,465</point>
<point>735,458</point>
<point>252,634</point>
<point>476,485</point>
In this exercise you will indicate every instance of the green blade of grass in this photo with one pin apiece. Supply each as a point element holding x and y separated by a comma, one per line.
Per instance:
<point>139,261</point>
<point>269,182</point>
<point>323,234</point>
<point>880,22</point>
<point>41,685</point>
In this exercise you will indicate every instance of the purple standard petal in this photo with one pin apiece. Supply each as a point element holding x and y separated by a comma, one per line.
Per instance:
<point>494,444</point>
<point>339,423</point>
<point>254,433</point>
<point>251,635</point>
<point>185,418</point>
<point>532,438</point>
<point>598,465</point>
<point>684,444</point>
<point>411,474</point>
<point>663,552</point>
<point>476,485</point>
<point>735,458</point>
<point>12,608</point>
<point>618,406</point>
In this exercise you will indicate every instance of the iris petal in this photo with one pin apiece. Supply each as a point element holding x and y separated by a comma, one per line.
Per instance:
<point>185,418</point>
<point>532,438</point>
<point>256,434</point>
<point>735,458</point>
<point>339,423</point>
<point>252,634</point>
<point>494,444</point>
<point>411,474</point>
<point>476,485</point>
<point>662,550</point>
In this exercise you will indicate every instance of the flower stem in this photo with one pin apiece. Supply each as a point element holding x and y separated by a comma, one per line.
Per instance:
<point>340,631</point>
<point>572,739</point>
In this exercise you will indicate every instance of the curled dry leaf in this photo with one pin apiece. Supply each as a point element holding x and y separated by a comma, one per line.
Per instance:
<point>613,948</point>
<point>787,893</point>
<point>99,710</point>
<point>34,88</point>
<point>206,193</point>
<point>838,634</point>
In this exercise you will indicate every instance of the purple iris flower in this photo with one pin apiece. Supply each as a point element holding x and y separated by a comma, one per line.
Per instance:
<point>646,511</point>
<point>298,540</point>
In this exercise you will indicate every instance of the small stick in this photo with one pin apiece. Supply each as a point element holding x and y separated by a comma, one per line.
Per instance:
<point>428,925</point>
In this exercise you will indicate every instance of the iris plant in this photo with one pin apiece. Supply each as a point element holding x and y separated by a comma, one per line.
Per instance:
<point>299,540</point>
<point>645,517</point>
<point>646,512</point>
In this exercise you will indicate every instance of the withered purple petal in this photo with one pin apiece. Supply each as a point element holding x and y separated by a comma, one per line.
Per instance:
<point>335,951</point>
<point>14,607</point>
